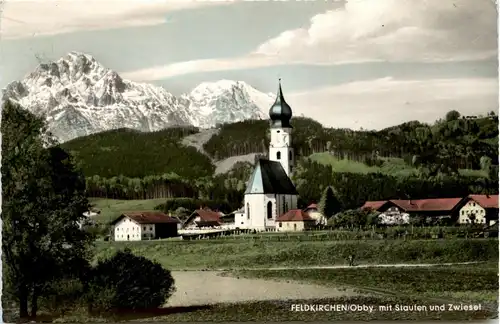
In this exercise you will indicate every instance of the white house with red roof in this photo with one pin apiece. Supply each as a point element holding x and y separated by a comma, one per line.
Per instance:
<point>294,220</point>
<point>147,225</point>
<point>202,218</point>
<point>313,211</point>
<point>479,209</point>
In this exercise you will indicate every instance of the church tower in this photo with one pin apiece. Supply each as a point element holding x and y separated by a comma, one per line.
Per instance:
<point>280,147</point>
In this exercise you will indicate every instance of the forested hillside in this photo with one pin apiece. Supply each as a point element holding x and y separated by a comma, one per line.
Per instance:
<point>136,154</point>
<point>458,143</point>
<point>408,160</point>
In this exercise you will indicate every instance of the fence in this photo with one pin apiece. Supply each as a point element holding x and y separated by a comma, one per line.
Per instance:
<point>391,233</point>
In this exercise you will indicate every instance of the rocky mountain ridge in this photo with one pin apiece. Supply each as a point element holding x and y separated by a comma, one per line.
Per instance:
<point>79,96</point>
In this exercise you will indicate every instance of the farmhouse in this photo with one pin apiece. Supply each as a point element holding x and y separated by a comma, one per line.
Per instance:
<point>137,226</point>
<point>270,192</point>
<point>202,218</point>
<point>391,214</point>
<point>313,211</point>
<point>294,220</point>
<point>478,209</point>
<point>481,209</point>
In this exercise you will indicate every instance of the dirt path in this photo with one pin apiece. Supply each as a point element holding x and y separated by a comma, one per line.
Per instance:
<point>394,265</point>
<point>208,287</point>
<point>398,265</point>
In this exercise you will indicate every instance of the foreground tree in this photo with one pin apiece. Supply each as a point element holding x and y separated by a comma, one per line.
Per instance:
<point>329,204</point>
<point>127,282</point>
<point>43,201</point>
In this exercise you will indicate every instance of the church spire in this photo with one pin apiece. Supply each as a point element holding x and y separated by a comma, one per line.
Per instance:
<point>280,112</point>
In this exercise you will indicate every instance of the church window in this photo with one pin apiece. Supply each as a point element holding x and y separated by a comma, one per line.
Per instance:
<point>248,211</point>
<point>290,155</point>
<point>278,155</point>
<point>281,224</point>
<point>294,227</point>
<point>269,210</point>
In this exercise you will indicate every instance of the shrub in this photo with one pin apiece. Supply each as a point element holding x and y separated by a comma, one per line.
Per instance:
<point>127,281</point>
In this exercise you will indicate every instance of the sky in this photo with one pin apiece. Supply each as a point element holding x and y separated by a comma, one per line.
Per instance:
<point>348,63</point>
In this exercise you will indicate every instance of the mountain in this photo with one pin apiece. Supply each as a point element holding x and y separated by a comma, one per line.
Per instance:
<point>79,96</point>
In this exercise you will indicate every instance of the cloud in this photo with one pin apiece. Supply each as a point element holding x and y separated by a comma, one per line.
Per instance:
<point>381,103</point>
<point>392,30</point>
<point>368,31</point>
<point>197,66</point>
<point>21,19</point>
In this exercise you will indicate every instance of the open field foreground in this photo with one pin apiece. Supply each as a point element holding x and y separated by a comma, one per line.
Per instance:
<point>239,254</point>
<point>269,295</point>
<point>195,288</point>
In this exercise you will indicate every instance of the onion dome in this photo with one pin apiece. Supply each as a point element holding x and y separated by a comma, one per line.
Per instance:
<point>280,111</point>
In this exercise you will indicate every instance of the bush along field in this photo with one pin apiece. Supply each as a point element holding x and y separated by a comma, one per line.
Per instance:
<point>238,254</point>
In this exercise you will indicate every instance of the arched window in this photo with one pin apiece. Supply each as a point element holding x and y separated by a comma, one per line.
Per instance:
<point>269,210</point>
<point>248,211</point>
<point>294,227</point>
<point>290,155</point>
<point>278,155</point>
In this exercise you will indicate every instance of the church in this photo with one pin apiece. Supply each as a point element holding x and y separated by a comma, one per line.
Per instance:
<point>270,191</point>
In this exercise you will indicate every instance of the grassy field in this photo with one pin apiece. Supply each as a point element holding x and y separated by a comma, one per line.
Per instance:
<point>112,208</point>
<point>391,166</point>
<point>236,254</point>
<point>477,283</point>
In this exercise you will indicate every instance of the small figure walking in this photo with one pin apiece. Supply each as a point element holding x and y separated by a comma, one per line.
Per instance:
<point>351,260</point>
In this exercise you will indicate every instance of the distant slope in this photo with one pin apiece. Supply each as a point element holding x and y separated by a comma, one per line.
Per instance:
<point>225,165</point>
<point>390,166</point>
<point>197,140</point>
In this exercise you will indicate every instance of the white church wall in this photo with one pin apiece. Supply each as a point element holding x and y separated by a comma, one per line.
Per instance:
<point>240,220</point>
<point>258,217</point>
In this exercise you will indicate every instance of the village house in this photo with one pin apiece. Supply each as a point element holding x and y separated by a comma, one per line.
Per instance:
<point>313,211</point>
<point>479,209</point>
<point>390,213</point>
<point>294,220</point>
<point>203,218</point>
<point>147,225</point>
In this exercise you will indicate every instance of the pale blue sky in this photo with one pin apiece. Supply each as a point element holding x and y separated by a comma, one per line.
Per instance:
<point>369,63</point>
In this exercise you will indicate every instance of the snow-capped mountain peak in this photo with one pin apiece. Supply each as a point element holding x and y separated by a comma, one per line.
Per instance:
<point>79,96</point>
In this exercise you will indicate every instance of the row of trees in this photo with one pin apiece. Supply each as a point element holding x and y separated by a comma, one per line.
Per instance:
<point>310,177</point>
<point>46,257</point>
